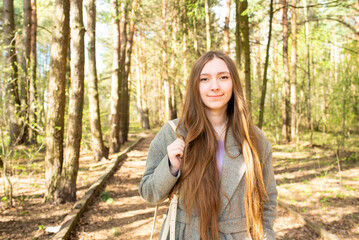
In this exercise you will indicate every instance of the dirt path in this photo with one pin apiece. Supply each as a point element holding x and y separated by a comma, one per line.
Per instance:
<point>120,213</point>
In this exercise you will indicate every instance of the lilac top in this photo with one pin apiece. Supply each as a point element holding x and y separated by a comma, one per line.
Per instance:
<point>219,157</point>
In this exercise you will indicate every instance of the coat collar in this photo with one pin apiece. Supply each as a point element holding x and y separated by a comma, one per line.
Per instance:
<point>233,169</point>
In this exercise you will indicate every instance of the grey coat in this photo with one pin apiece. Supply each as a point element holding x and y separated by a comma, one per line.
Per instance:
<point>157,182</point>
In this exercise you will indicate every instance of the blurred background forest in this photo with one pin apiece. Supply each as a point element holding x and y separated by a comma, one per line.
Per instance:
<point>110,67</point>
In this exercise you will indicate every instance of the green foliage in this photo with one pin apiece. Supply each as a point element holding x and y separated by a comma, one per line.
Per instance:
<point>339,195</point>
<point>106,197</point>
<point>115,232</point>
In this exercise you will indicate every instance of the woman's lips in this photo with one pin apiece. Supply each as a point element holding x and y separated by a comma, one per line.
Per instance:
<point>215,96</point>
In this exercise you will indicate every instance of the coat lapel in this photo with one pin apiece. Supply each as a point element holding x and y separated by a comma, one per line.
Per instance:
<point>232,170</point>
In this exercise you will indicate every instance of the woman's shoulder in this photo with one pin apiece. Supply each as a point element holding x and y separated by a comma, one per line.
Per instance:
<point>260,135</point>
<point>166,134</point>
<point>263,141</point>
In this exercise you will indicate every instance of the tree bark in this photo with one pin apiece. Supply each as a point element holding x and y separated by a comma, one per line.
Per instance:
<point>208,31</point>
<point>310,120</point>
<point>25,64</point>
<point>355,90</point>
<point>264,84</point>
<point>67,191</point>
<point>243,48</point>
<point>12,92</point>
<point>141,70</point>
<point>33,68</point>
<point>293,87</point>
<point>97,145</point>
<point>165,77</point>
<point>56,98</point>
<point>174,53</point>
<point>285,99</point>
<point>258,55</point>
<point>132,29</point>
<point>123,83</point>
<point>184,49</point>
<point>115,82</point>
<point>195,41</point>
<point>226,27</point>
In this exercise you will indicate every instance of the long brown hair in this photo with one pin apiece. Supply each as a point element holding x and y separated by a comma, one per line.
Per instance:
<point>199,180</point>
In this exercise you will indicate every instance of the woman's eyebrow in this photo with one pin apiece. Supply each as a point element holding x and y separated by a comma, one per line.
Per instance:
<point>223,73</point>
<point>219,73</point>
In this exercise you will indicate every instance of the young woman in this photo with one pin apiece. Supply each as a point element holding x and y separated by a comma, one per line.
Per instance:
<point>221,165</point>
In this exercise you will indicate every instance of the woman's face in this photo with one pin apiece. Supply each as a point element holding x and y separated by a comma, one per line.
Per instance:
<point>215,86</point>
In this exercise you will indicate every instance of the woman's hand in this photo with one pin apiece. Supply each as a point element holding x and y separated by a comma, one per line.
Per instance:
<point>175,154</point>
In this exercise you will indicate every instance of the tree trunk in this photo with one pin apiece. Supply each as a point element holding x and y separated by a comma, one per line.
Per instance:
<point>33,67</point>
<point>226,27</point>
<point>97,144</point>
<point>285,99</point>
<point>258,55</point>
<point>293,87</point>
<point>185,35</point>
<point>354,87</point>
<point>310,120</point>
<point>123,83</point>
<point>276,89</point>
<point>141,70</point>
<point>132,30</point>
<point>174,53</point>
<point>67,191</point>
<point>25,63</point>
<point>243,48</point>
<point>56,98</point>
<point>115,82</point>
<point>12,91</point>
<point>195,41</point>
<point>208,31</point>
<point>165,77</point>
<point>264,84</point>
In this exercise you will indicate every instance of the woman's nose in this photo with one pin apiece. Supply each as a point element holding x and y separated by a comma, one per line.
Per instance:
<point>214,84</point>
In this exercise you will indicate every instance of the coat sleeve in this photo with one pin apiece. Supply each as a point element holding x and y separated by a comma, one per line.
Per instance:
<point>157,180</point>
<point>270,204</point>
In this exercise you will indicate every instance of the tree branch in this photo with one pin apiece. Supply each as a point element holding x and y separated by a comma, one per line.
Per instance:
<point>352,28</point>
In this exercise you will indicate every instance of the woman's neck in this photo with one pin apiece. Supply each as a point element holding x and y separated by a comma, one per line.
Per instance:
<point>218,121</point>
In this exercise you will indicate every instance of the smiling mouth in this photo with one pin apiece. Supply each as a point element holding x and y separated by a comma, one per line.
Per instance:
<point>214,96</point>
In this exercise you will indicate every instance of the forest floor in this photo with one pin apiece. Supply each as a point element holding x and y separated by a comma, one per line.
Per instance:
<point>307,179</point>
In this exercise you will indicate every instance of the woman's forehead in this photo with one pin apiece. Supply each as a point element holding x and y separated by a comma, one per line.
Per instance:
<point>215,66</point>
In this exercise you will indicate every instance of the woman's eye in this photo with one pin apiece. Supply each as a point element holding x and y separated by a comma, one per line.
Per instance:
<point>224,77</point>
<point>204,79</point>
